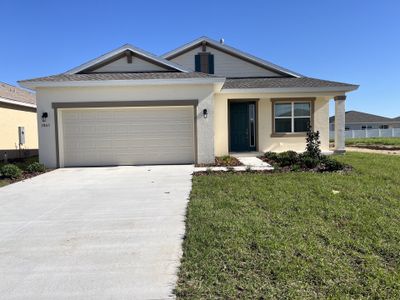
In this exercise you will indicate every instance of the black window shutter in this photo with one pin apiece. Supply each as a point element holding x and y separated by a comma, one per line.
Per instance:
<point>210,64</point>
<point>197,66</point>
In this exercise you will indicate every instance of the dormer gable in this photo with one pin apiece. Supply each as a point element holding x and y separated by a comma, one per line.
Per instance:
<point>209,56</point>
<point>127,59</point>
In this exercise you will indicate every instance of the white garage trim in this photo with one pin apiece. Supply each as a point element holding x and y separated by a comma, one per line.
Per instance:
<point>59,108</point>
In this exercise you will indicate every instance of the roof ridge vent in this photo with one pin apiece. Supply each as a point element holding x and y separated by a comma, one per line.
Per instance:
<point>221,41</point>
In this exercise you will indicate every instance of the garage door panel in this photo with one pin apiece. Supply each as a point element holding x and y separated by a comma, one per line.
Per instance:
<point>88,129</point>
<point>126,136</point>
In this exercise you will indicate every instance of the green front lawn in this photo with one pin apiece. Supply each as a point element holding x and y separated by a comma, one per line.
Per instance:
<point>373,142</point>
<point>295,235</point>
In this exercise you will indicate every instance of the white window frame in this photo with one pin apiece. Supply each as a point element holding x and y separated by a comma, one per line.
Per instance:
<point>292,116</point>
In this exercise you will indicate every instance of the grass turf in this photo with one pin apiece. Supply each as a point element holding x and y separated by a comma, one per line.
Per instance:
<point>290,236</point>
<point>374,141</point>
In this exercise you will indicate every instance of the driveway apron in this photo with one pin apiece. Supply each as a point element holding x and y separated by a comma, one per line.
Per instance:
<point>94,233</point>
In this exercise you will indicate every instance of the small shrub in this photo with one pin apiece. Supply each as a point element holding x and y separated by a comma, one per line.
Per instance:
<point>296,168</point>
<point>271,156</point>
<point>287,158</point>
<point>225,158</point>
<point>331,165</point>
<point>226,161</point>
<point>11,171</point>
<point>308,161</point>
<point>36,168</point>
<point>313,144</point>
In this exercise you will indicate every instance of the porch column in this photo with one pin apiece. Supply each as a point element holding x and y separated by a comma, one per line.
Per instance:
<point>340,109</point>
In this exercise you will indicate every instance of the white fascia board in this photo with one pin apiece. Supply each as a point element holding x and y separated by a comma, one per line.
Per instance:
<point>9,101</point>
<point>122,49</point>
<point>217,45</point>
<point>288,90</point>
<point>185,81</point>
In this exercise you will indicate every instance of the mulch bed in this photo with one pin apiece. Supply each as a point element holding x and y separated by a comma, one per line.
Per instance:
<point>24,176</point>
<point>223,162</point>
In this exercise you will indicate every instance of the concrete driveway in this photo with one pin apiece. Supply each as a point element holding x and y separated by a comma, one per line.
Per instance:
<point>93,233</point>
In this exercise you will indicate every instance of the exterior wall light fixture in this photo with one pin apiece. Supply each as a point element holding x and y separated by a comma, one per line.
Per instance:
<point>45,115</point>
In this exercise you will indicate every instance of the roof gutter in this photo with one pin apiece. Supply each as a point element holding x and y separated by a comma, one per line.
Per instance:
<point>142,82</point>
<point>13,102</point>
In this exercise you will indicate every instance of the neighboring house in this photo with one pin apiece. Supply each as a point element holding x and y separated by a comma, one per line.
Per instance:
<point>18,123</point>
<point>356,120</point>
<point>202,100</point>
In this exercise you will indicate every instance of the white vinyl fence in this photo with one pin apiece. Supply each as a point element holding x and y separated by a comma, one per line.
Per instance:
<point>368,133</point>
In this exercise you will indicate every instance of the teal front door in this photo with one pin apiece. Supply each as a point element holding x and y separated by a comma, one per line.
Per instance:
<point>242,123</point>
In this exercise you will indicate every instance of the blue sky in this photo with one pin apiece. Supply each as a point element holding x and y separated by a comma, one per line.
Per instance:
<point>344,40</point>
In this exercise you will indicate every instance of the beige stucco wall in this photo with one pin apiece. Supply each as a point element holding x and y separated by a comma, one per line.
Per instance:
<point>265,141</point>
<point>11,117</point>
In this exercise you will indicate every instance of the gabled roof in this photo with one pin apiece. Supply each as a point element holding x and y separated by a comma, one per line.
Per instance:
<point>230,50</point>
<point>13,95</point>
<point>121,50</point>
<point>353,116</point>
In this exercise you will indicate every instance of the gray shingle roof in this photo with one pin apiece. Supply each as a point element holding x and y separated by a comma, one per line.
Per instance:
<point>118,76</point>
<point>14,93</point>
<point>353,116</point>
<point>281,82</point>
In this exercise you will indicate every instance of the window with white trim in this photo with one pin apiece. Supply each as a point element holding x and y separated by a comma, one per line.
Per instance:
<point>292,116</point>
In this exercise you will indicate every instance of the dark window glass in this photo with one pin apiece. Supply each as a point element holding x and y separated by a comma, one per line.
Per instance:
<point>283,125</point>
<point>301,124</point>
<point>283,110</point>
<point>302,109</point>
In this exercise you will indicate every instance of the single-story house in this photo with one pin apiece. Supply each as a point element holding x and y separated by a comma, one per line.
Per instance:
<point>18,123</point>
<point>356,120</point>
<point>201,100</point>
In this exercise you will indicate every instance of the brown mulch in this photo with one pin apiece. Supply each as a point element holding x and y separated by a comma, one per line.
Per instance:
<point>223,162</point>
<point>24,176</point>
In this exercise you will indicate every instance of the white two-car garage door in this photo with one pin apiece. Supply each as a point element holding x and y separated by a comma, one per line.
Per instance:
<point>126,136</point>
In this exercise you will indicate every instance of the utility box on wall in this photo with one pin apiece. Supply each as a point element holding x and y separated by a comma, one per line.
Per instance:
<point>21,135</point>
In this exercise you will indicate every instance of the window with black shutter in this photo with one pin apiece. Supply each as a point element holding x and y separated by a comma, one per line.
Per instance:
<point>204,62</point>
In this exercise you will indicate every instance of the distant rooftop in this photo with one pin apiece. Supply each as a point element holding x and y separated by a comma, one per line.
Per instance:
<point>13,93</point>
<point>353,116</point>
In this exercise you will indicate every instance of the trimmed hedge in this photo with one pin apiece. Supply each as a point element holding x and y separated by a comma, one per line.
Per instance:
<point>36,168</point>
<point>295,162</point>
<point>11,171</point>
